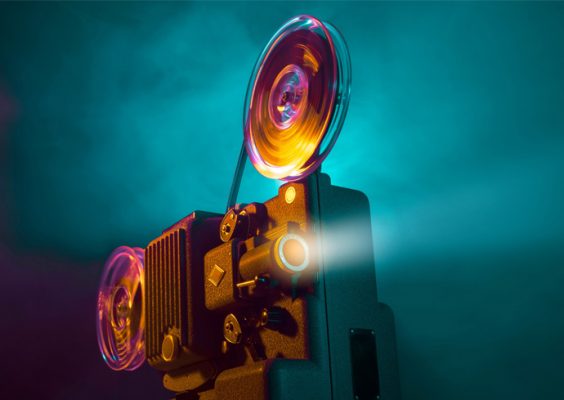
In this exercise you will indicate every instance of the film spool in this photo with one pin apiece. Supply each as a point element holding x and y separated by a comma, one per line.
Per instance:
<point>297,99</point>
<point>120,314</point>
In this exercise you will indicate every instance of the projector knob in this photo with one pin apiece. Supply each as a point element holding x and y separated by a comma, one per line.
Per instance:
<point>169,348</point>
<point>272,317</point>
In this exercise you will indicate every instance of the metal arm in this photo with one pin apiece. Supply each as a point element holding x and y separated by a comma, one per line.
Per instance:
<point>232,200</point>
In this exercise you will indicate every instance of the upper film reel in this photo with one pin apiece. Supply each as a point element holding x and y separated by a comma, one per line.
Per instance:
<point>297,99</point>
<point>120,315</point>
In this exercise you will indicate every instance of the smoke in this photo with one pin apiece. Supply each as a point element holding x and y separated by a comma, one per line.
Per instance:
<point>121,119</point>
<point>133,112</point>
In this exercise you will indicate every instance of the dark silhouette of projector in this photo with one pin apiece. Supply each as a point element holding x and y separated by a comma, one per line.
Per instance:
<point>273,300</point>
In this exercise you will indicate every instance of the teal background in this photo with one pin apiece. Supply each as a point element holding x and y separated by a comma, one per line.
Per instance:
<point>117,119</point>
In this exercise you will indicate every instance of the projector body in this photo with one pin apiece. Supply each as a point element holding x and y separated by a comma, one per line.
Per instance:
<point>273,300</point>
<point>226,320</point>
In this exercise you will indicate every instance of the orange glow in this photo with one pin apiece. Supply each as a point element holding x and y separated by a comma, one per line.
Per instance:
<point>309,60</point>
<point>294,252</point>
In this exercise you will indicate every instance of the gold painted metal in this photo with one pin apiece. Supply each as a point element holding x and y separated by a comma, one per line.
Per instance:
<point>169,348</point>
<point>216,275</point>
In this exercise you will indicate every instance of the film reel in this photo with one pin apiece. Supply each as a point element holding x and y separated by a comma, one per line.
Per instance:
<point>297,99</point>
<point>120,315</point>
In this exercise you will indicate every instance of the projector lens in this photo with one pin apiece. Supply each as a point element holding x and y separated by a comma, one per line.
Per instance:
<point>291,252</point>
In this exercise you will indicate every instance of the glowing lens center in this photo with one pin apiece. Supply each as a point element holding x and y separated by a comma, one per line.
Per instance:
<point>288,96</point>
<point>120,307</point>
<point>294,252</point>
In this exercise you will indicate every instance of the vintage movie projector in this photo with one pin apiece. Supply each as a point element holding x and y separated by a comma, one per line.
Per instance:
<point>273,300</point>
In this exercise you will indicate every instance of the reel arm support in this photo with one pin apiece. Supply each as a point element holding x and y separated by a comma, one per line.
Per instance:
<point>236,184</point>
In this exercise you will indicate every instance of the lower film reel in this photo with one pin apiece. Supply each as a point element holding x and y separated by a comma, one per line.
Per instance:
<point>120,314</point>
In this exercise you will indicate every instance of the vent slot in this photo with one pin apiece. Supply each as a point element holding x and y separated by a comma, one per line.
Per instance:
<point>164,274</point>
<point>365,379</point>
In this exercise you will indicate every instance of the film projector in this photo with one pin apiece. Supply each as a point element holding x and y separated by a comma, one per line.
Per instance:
<point>273,300</point>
